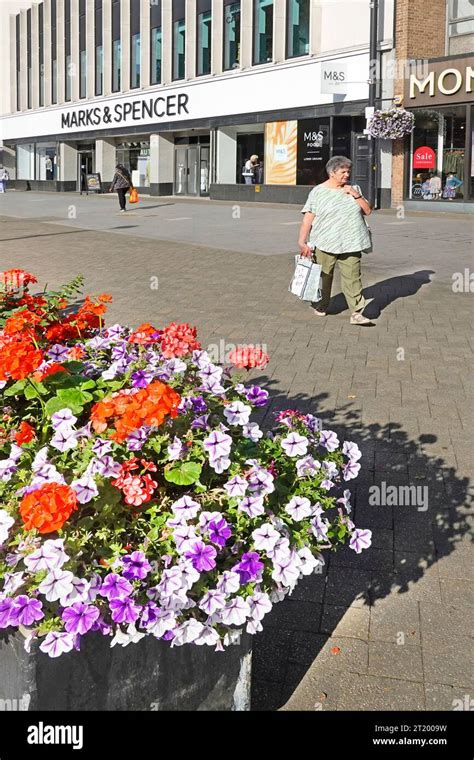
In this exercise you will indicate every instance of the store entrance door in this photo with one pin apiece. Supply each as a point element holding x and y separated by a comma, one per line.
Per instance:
<point>192,170</point>
<point>85,166</point>
<point>360,160</point>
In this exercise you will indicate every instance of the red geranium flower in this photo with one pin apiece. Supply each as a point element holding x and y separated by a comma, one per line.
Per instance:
<point>249,357</point>
<point>48,508</point>
<point>145,335</point>
<point>178,340</point>
<point>24,434</point>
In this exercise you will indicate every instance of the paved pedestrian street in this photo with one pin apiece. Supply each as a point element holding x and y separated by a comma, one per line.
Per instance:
<point>390,628</point>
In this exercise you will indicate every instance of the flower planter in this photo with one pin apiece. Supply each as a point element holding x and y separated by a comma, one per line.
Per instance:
<point>144,676</point>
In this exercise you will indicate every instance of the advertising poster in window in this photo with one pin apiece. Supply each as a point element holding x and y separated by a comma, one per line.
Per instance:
<point>281,139</point>
<point>313,151</point>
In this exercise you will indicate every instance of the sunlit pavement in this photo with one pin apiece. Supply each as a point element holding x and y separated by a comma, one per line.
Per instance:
<point>388,629</point>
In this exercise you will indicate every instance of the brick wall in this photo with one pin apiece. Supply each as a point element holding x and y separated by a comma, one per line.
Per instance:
<point>420,33</point>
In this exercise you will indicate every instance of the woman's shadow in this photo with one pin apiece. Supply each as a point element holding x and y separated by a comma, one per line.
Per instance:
<point>385,292</point>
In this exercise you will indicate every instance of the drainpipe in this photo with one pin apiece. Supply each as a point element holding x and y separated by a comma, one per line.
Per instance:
<point>374,17</point>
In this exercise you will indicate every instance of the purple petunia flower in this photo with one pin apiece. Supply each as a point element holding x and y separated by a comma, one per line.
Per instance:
<point>199,405</point>
<point>115,587</point>
<point>137,439</point>
<point>85,489</point>
<point>201,556</point>
<point>219,532</point>
<point>136,566</point>
<point>80,618</point>
<point>329,440</point>
<point>124,610</point>
<point>360,539</point>
<point>249,567</point>
<point>57,352</point>
<point>257,396</point>
<point>26,611</point>
<point>295,445</point>
<point>102,447</point>
<point>56,643</point>
<point>200,423</point>
<point>141,379</point>
<point>6,606</point>
<point>350,470</point>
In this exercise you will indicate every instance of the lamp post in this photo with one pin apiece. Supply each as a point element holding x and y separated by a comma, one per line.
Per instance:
<point>373,67</point>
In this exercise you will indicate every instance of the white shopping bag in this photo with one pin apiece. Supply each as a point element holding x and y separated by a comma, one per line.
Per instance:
<point>306,281</point>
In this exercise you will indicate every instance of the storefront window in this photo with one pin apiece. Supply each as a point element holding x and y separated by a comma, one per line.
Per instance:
<point>99,49</point>
<point>54,62</point>
<point>82,50</point>
<point>231,35</point>
<point>156,43</point>
<point>179,47</point>
<point>472,151</point>
<point>461,17</point>
<point>248,145</point>
<point>25,161</point>
<point>263,26</point>
<point>116,46</point>
<point>46,166</point>
<point>179,39</point>
<point>67,49</point>
<point>116,78</point>
<point>135,61</point>
<point>135,156</point>
<point>298,28</point>
<point>438,155</point>
<point>204,24</point>
<point>135,43</point>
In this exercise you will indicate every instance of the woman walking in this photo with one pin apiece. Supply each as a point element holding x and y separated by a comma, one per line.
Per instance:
<point>334,225</point>
<point>121,183</point>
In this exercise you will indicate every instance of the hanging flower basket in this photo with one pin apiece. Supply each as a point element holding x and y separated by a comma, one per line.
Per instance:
<point>393,124</point>
<point>138,497</point>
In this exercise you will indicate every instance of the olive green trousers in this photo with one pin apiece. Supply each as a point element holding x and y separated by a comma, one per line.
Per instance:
<point>351,282</point>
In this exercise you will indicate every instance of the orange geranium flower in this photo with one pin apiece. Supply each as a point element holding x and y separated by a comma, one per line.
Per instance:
<point>48,508</point>
<point>145,334</point>
<point>19,357</point>
<point>24,434</point>
<point>129,411</point>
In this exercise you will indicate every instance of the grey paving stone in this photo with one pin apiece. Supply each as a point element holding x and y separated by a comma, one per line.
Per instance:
<point>444,622</point>
<point>402,660</point>
<point>348,587</point>
<point>367,692</point>
<point>317,691</point>
<point>442,697</point>
<point>393,618</point>
<point>293,616</point>
<point>342,621</point>
<point>449,662</point>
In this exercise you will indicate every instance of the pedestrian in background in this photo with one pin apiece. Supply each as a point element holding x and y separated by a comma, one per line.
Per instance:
<point>334,222</point>
<point>5,178</point>
<point>248,172</point>
<point>120,184</point>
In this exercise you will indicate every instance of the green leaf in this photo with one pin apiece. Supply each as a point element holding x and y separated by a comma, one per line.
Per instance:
<point>34,390</point>
<point>15,389</point>
<point>184,474</point>
<point>75,396</point>
<point>57,403</point>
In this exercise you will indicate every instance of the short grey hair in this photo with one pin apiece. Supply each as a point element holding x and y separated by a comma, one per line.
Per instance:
<point>338,162</point>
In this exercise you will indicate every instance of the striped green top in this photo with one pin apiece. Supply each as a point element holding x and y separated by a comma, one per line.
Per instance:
<point>339,225</point>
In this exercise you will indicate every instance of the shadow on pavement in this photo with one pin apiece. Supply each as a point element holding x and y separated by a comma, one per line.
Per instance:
<point>385,292</point>
<point>406,542</point>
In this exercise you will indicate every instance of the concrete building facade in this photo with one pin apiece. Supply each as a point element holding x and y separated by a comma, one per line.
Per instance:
<point>183,92</point>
